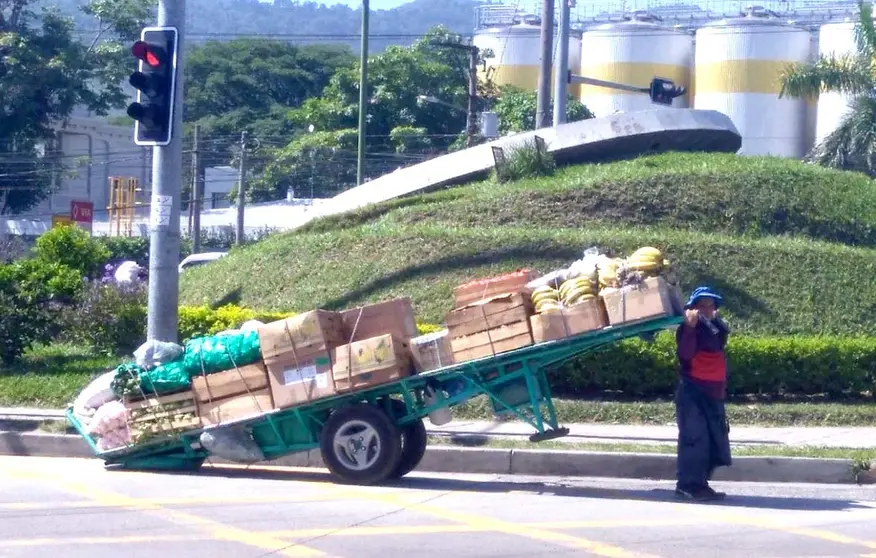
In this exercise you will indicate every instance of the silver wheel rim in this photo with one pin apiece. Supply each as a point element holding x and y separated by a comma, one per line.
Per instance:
<point>356,445</point>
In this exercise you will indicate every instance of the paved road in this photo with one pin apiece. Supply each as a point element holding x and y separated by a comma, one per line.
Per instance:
<point>73,508</point>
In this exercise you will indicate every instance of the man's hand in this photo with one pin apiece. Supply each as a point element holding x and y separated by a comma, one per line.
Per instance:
<point>691,317</point>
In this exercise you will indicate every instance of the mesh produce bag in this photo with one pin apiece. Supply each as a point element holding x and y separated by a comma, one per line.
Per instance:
<point>166,378</point>
<point>208,355</point>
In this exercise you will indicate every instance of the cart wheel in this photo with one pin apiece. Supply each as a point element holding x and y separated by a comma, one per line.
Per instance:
<point>414,440</point>
<point>360,444</point>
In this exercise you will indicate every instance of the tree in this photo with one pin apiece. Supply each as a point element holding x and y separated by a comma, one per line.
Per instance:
<point>853,144</point>
<point>47,71</point>
<point>516,109</point>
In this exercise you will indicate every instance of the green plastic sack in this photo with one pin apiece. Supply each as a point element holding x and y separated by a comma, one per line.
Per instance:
<point>208,355</point>
<point>165,378</point>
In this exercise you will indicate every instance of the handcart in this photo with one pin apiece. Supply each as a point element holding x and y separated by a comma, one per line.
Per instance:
<point>377,434</point>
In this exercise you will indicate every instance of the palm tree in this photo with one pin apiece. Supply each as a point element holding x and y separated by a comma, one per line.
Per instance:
<point>852,145</point>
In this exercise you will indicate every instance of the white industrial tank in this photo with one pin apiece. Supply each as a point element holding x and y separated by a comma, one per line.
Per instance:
<point>833,39</point>
<point>633,52</point>
<point>516,55</point>
<point>737,72</point>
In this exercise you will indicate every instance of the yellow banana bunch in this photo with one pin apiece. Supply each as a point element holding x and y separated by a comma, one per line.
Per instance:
<point>648,261</point>
<point>577,290</point>
<point>545,298</point>
<point>608,273</point>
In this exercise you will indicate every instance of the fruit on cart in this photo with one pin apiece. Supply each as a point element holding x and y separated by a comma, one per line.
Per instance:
<point>648,261</point>
<point>577,290</point>
<point>608,272</point>
<point>545,298</point>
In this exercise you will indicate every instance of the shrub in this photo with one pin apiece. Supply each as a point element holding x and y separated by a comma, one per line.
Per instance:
<point>770,366</point>
<point>197,321</point>
<point>73,247</point>
<point>109,318</point>
<point>526,161</point>
<point>134,248</point>
<point>24,315</point>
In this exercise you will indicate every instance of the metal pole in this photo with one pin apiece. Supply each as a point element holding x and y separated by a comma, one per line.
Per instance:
<point>241,191</point>
<point>162,317</point>
<point>363,92</point>
<point>197,191</point>
<point>472,95</point>
<point>542,114</point>
<point>561,76</point>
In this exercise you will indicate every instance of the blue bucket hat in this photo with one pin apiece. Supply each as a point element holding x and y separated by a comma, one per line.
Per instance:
<point>704,292</point>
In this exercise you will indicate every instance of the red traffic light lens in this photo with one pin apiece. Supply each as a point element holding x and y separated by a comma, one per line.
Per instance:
<point>145,52</point>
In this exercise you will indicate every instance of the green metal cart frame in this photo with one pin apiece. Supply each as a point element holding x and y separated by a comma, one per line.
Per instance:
<point>515,382</point>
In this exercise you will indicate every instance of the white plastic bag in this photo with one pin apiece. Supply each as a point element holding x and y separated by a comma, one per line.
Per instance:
<point>554,279</point>
<point>108,418</point>
<point>251,325</point>
<point>586,266</point>
<point>95,394</point>
<point>127,272</point>
<point>155,353</point>
<point>232,443</point>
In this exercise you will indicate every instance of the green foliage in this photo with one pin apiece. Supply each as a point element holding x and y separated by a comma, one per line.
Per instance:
<point>839,367</point>
<point>526,161</point>
<point>133,248</point>
<point>47,280</point>
<point>516,109</point>
<point>197,321</point>
<point>23,316</point>
<point>109,319</point>
<point>48,69</point>
<point>72,247</point>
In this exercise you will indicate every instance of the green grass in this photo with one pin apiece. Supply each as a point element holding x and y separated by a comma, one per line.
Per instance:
<point>739,413</point>
<point>862,457</point>
<point>772,285</point>
<point>701,192</point>
<point>50,376</point>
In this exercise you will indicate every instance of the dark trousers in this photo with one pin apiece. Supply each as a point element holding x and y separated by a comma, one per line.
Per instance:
<point>703,436</point>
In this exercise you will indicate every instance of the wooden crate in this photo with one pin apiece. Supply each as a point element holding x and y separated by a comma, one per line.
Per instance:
<point>152,414</point>
<point>492,342</point>
<point>474,291</point>
<point>497,311</point>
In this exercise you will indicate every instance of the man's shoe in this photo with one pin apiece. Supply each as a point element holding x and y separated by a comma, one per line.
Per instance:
<point>699,494</point>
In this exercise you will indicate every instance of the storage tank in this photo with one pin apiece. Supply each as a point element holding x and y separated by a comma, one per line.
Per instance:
<point>516,55</point>
<point>837,39</point>
<point>633,52</point>
<point>737,72</point>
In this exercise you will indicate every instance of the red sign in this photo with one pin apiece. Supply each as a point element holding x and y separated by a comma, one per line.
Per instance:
<point>82,212</point>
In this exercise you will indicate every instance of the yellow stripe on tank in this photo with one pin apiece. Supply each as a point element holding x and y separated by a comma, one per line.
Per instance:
<point>740,76</point>
<point>525,77</point>
<point>638,74</point>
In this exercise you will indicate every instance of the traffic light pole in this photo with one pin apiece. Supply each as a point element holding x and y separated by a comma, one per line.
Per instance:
<point>662,91</point>
<point>164,248</point>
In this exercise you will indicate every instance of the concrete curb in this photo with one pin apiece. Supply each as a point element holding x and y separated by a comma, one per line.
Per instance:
<point>442,459</point>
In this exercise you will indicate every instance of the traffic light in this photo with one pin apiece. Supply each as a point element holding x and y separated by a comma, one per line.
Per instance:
<point>663,91</point>
<point>155,81</point>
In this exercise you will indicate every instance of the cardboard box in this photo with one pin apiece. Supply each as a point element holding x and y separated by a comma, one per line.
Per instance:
<point>244,379</point>
<point>432,351</point>
<point>306,334</point>
<point>654,298</point>
<point>371,362</point>
<point>473,291</point>
<point>395,317</point>
<point>236,407</point>
<point>295,380</point>
<point>492,342</point>
<point>568,322</point>
<point>500,310</point>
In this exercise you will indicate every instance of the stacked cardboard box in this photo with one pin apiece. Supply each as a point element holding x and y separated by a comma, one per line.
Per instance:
<point>432,351</point>
<point>651,299</point>
<point>567,322</point>
<point>490,327</point>
<point>297,354</point>
<point>371,362</point>
<point>233,394</point>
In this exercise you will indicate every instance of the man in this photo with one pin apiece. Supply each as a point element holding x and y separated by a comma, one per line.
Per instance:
<point>703,441</point>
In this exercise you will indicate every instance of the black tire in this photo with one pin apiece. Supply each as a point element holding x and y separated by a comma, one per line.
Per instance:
<point>414,441</point>
<point>366,428</point>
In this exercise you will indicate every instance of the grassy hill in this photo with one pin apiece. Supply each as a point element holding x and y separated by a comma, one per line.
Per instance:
<point>792,246</point>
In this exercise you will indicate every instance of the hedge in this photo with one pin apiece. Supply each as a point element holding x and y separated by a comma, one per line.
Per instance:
<point>774,366</point>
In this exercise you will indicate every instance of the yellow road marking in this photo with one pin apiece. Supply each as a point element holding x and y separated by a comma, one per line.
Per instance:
<point>483,523</point>
<point>200,501</point>
<point>216,529</point>
<point>815,533</point>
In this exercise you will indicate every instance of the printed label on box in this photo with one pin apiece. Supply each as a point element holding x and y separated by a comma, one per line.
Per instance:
<point>293,376</point>
<point>322,380</point>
